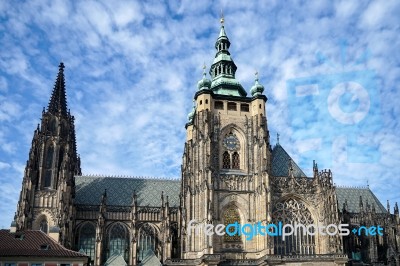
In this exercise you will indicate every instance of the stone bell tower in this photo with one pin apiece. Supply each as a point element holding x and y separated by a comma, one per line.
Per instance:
<point>226,162</point>
<point>46,199</point>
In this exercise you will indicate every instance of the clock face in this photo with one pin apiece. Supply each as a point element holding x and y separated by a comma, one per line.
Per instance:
<point>231,142</point>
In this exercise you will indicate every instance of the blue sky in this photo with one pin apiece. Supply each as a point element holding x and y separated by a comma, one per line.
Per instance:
<point>331,71</point>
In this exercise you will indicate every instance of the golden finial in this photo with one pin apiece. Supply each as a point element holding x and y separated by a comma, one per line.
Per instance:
<point>222,20</point>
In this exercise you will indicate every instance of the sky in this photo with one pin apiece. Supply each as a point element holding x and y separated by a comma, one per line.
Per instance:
<point>331,71</point>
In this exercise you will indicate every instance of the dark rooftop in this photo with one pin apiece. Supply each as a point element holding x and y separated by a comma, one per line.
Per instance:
<point>89,190</point>
<point>33,243</point>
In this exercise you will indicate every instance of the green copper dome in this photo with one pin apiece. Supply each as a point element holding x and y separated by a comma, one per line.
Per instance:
<point>257,88</point>
<point>192,113</point>
<point>204,83</point>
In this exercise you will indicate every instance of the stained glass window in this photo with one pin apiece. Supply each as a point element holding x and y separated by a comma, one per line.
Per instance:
<point>118,241</point>
<point>87,234</point>
<point>226,160</point>
<point>231,216</point>
<point>235,161</point>
<point>289,212</point>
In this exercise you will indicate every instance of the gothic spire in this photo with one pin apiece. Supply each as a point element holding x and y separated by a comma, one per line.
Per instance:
<point>58,100</point>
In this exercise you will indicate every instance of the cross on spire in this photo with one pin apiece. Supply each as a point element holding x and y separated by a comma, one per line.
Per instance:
<point>277,138</point>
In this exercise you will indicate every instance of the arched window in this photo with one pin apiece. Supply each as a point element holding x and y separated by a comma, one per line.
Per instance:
<point>226,160</point>
<point>289,212</point>
<point>231,216</point>
<point>86,239</point>
<point>235,161</point>
<point>118,241</point>
<point>44,227</point>
<point>147,241</point>
<point>48,164</point>
<point>52,125</point>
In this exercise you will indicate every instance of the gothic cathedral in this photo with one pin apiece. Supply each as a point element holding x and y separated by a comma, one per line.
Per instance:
<point>231,174</point>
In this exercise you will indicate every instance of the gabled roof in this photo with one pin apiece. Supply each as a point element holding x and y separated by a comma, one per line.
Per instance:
<point>352,195</point>
<point>281,161</point>
<point>115,260</point>
<point>33,243</point>
<point>150,259</point>
<point>89,190</point>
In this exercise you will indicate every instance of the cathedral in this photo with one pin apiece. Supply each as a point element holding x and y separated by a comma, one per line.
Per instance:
<point>230,174</point>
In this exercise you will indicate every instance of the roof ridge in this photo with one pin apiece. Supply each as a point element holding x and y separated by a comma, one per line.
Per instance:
<point>353,187</point>
<point>129,177</point>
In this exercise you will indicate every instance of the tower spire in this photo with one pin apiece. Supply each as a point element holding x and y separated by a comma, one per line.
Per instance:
<point>58,100</point>
<point>223,69</point>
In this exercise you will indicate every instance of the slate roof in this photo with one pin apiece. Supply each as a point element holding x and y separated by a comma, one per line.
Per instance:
<point>353,199</point>
<point>33,243</point>
<point>280,167</point>
<point>89,190</point>
<point>280,163</point>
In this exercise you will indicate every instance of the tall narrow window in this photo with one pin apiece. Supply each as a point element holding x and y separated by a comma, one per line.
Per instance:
<point>86,239</point>
<point>226,160</point>
<point>52,126</point>
<point>118,241</point>
<point>44,227</point>
<point>235,161</point>
<point>48,165</point>
<point>231,216</point>
<point>147,241</point>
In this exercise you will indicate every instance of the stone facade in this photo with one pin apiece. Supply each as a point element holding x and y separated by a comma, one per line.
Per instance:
<point>230,173</point>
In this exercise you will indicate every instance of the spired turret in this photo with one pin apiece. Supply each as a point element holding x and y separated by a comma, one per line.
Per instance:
<point>48,183</point>
<point>204,83</point>
<point>257,89</point>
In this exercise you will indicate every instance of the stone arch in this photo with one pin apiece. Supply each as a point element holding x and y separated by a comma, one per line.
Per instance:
<point>117,240</point>
<point>238,201</point>
<point>38,221</point>
<point>241,151</point>
<point>148,240</point>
